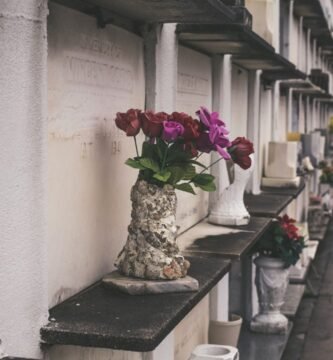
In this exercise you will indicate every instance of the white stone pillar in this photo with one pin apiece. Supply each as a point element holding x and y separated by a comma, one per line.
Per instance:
<point>254,127</point>
<point>222,71</point>
<point>276,112</point>
<point>23,59</point>
<point>166,68</point>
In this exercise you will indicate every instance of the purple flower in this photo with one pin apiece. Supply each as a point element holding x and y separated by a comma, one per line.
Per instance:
<point>208,119</point>
<point>172,130</point>
<point>214,140</point>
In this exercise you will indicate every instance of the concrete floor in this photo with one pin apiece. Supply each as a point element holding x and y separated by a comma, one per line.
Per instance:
<point>312,336</point>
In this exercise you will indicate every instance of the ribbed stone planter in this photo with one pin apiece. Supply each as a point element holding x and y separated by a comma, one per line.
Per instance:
<point>151,252</point>
<point>271,282</point>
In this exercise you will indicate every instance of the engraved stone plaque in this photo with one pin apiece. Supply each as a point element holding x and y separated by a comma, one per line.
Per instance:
<point>92,74</point>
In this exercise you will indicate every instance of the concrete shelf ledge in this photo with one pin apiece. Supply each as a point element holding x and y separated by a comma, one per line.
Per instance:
<point>229,242</point>
<point>100,317</point>
<point>162,11</point>
<point>294,192</point>
<point>266,205</point>
<point>321,233</point>
<point>255,346</point>
<point>293,298</point>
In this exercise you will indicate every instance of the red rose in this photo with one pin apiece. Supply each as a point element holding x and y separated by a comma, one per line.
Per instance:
<point>129,122</point>
<point>190,148</point>
<point>191,126</point>
<point>152,124</point>
<point>240,150</point>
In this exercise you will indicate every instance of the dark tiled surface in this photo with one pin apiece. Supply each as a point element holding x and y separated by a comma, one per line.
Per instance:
<point>255,346</point>
<point>232,245</point>
<point>293,298</point>
<point>266,205</point>
<point>312,335</point>
<point>321,233</point>
<point>101,317</point>
<point>294,192</point>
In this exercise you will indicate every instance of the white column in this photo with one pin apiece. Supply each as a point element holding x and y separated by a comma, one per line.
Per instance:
<point>290,110</point>
<point>219,300</point>
<point>166,68</point>
<point>222,71</point>
<point>164,351</point>
<point>276,111</point>
<point>253,127</point>
<point>23,64</point>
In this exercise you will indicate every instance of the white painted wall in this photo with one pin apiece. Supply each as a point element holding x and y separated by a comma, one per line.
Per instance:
<point>194,89</point>
<point>239,102</point>
<point>266,19</point>
<point>92,74</point>
<point>23,299</point>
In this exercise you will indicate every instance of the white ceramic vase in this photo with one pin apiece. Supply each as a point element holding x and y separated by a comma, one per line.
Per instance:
<point>229,209</point>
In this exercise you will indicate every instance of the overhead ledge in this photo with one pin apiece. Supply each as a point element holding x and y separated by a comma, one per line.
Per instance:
<point>162,11</point>
<point>248,49</point>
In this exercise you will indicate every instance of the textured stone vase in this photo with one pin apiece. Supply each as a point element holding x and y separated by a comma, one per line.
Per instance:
<point>151,251</point>
<point>229,209</point>
<point>271,282</point>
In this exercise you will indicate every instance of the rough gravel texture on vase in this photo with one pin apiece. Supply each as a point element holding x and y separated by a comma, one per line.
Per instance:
<point>151,251</point>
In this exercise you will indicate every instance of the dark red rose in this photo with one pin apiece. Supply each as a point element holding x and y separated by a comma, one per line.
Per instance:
<point>191,126</point>
<point>240,150</point>
<point>152,123</point>
<point>129,122</point>
<point>190,148</point>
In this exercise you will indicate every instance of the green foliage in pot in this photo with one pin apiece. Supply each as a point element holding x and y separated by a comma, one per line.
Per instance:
<point>282,241</point>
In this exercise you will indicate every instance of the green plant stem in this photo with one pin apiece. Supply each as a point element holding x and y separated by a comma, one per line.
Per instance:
<point>136,146</point>
<point>206,168</point>
<point>164,158</point>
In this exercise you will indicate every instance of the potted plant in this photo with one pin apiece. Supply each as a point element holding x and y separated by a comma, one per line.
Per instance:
<point>168,161</point>
<point>278,250</point>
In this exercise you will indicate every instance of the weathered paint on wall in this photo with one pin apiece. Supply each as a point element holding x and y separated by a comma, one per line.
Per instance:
<point>194,90</point>
<point>23,268</point>
<point>92,74</point>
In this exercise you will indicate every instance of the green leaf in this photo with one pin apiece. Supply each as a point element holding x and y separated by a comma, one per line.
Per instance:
<point>134,164</point>
<point>207,187</point>
<point>148,150</point>
<point>203,179</point>
<point>190,172</point>
<point>177,174</point>
<point>162,176</point>
<point>161,148</point>
<point>185,187</point>
<point>150,164</point>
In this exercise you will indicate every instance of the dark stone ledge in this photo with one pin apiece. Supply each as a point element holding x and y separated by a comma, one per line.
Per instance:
<point>266,205</point>
<point>100,317</point>
<point>294,192</point>
<point>232,245</point>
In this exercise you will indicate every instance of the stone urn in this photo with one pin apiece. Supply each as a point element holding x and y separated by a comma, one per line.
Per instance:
<point>271,280</point>
<point>151,252</point>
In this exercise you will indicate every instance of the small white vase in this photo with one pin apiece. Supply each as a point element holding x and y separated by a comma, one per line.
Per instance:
<point>229,209</point>
<point>271,282</point>
<point>217,352</point>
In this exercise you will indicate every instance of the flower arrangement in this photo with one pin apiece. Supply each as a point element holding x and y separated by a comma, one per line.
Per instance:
<point>174,143</point>
<point>283,241</point>
<point>327,175</point>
